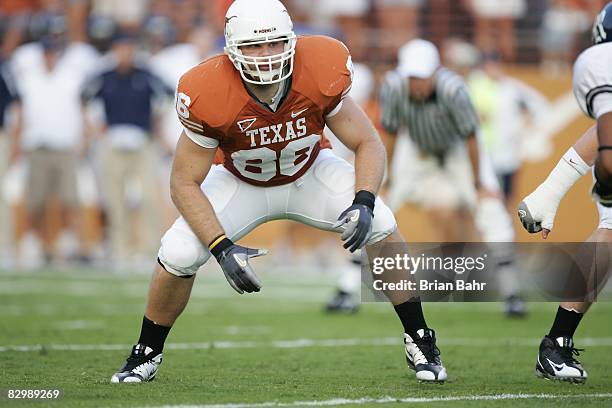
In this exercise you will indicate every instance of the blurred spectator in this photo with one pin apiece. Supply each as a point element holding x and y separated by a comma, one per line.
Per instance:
<point>49,75</point>
<point>14,15</point>
<point>126,13</point>
<point>399,20</point>
<point>494,24</point>
<point>506,107</point>
<point>129,157</point>
<point>8,137</point>
<point>348,17</point>
<point>563,22</point>
<point>172,62</point>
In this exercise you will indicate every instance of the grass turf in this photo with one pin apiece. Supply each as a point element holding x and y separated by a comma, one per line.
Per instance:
<point>485,354</point>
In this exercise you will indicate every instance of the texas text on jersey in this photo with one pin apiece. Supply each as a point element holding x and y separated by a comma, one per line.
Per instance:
<point>263,147</point>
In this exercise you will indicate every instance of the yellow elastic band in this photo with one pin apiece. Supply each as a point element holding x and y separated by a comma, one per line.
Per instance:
<point>216,242</point>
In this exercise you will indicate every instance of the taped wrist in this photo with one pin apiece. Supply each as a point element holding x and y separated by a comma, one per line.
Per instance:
<point>218,245</point>
<point>566,173</point>
<point>366,198</point>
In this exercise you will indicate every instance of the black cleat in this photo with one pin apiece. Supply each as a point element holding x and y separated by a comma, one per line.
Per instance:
<point>343,302</point>
<point>515,307</point>
<point>556,360</point>
<point>141,365</point>
<point>423,356</point>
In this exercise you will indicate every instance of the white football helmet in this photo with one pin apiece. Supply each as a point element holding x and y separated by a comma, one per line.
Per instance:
<point>257,22</point>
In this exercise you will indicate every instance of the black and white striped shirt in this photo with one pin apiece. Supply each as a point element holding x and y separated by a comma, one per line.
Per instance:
<point>435,124</point>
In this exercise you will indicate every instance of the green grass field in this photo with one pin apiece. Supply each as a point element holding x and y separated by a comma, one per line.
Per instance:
<point>276,348</point>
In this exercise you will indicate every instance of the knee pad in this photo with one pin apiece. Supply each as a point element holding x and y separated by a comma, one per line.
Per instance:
<point>182,254</point>
<point>384,222</point>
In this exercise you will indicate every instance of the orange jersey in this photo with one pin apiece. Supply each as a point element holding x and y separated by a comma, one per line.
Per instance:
<point>259,146</point>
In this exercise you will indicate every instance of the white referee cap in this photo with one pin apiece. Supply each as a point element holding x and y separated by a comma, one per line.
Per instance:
<point>418,58</point>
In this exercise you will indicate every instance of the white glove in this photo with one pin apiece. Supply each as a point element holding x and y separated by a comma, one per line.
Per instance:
<point>537,211</point>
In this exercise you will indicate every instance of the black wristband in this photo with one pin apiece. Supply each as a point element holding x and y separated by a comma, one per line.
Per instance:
<point>218,249</point>
<point>366,198</point>
<point>602,148</point>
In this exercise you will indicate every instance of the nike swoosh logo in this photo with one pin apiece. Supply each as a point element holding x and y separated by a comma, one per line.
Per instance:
<point>240,262</point>
<point>522,213</point>
<point>296,114</point>
<point>573,162</point>
<point>557,367</point>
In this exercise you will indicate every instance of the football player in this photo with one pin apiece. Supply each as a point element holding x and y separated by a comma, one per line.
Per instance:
<point>263,105</point>
<point>592,87</point>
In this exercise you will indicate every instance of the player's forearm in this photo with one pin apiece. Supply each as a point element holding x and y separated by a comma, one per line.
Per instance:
<point>566,173</point>
<point>195,207</point>
<point>573,165</point>
<point>370,162</point>
<point>586,146</point>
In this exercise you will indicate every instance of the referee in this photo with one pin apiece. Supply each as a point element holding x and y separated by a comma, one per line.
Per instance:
<point>439,164</point>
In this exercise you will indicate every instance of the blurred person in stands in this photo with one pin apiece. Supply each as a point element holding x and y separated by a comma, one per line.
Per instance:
<point>507,108</point>
<point>128,151</point>
<point>49,75</point>
<point>399,22</point>
<point>564,21</point>
<point>10,106</point>
<point>125,13</point>
<point>341,18</point>
<point>14,18</point>
<point>494,24</point>
<point>428,112</point>
<point>173,61</point>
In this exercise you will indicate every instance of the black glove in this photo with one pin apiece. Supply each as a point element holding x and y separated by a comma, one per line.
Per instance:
<point>234,261</point>
<point>356,221</point>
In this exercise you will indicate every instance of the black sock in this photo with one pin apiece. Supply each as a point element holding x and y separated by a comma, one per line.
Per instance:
<point>411,315</point>
<point>153,335</point>
<point>565,324</point>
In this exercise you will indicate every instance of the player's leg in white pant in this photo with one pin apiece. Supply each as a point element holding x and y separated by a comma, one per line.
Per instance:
<point>240,207</point>
<point>318,199</point>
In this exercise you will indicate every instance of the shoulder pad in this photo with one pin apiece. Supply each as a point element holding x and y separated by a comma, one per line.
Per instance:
<point>592,75</point>
<point>323,63</point>
<point>213,88</point>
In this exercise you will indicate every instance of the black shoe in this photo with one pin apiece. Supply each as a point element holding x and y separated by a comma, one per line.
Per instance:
<point>423,356</point>
<point>556,360</point>
<point>343,302</point>
<point>141,365</point>
<point>515,307</point>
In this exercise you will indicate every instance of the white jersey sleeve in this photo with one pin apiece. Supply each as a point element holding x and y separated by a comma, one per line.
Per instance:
<point>593,80</point>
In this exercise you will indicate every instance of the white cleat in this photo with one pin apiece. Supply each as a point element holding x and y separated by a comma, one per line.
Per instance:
<point>423,356</point>
<point>141,366</point>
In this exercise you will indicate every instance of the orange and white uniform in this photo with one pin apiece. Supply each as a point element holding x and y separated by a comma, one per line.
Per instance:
<point>274,164</point>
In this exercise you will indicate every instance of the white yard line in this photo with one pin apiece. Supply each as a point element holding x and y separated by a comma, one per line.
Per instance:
<point>304,343</point>
<point>388,400</point>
